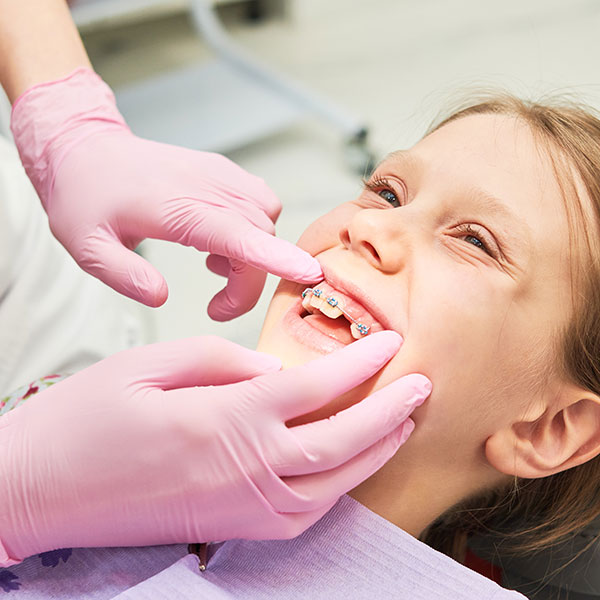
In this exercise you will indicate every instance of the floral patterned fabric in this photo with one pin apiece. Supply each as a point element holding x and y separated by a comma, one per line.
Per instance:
<point>19,396</point>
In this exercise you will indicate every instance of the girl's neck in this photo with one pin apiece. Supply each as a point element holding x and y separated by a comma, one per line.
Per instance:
<point>411,494</point>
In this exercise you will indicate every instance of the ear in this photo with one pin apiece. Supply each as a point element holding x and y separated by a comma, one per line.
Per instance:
<point>550,437</point>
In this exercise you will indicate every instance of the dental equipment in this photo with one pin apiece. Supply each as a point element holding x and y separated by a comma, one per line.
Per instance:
<point>362,328</point>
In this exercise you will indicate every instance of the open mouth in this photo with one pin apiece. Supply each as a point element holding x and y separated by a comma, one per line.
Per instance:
<point>337,315</point>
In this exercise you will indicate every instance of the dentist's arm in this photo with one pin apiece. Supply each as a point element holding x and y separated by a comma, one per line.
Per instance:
<point>187,442</point>
<point>105,190</point>
<point>38,42</point>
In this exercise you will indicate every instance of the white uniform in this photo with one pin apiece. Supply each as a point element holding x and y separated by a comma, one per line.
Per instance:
<point>53,316</point>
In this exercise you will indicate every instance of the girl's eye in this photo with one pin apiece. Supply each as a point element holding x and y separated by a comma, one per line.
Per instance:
<point>476,237</point>
<point>389,197</point>
<point>383,188</point>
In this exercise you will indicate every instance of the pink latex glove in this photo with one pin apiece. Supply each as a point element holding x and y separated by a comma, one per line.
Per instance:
<point>105,190</point>
<point>130,452</point>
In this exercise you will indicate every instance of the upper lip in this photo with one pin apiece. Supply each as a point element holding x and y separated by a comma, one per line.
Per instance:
<point>354,292</point>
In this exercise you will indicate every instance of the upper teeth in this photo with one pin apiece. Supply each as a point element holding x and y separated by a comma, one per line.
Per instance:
<point>331,307</point>
<point>327,305</point>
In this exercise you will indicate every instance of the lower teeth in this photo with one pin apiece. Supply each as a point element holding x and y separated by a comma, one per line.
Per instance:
<point>355,332</point>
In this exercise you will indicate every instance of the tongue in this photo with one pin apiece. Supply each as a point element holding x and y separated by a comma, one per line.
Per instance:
<point>338,329</point>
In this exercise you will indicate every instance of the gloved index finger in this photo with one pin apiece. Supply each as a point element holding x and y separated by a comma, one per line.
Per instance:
<point>245,237</point>
<point>300,390</point>
<point>240,239</point>
<point>279,257</point>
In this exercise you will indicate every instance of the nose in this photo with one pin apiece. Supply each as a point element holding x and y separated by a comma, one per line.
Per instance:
<point>379,237</point>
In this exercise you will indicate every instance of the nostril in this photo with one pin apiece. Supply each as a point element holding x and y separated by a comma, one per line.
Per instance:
<point>356,241</point>
<point>345,237</point>
<point>371,250</point>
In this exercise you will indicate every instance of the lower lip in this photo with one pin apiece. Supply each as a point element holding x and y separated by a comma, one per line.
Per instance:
<point>308,335</point>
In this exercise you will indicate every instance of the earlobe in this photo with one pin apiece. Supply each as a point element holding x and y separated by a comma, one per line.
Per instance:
<point>564,435</point>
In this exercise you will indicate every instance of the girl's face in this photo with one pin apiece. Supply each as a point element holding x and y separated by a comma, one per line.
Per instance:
<point>459,244</point>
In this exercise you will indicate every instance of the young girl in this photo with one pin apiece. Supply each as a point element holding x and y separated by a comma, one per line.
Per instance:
<point>480,246</point>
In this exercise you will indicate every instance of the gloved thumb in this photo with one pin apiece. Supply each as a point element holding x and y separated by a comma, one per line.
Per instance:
<point>125,271</point>
<point>243,289</point>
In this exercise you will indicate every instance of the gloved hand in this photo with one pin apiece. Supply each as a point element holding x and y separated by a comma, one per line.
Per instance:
<point>130,452</point>
<point>105,190</point>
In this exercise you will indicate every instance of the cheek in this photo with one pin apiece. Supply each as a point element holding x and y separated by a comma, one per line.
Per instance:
<point>324,233</point>
<point>472,346</point>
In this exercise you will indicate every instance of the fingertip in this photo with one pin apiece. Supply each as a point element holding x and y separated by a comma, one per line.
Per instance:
<point>397,438</point>
<point>217,311</point>
<point>312,271</point>
<point>404,432</point>
<point>426,384</point>
<point>224,308</point>
<point>147,287</point>
<point>389,338</point>
<point>161,293</point>
<point>306,268</point>
<point>420,384</point>
<point>380,346</point>
<point>240,294</point>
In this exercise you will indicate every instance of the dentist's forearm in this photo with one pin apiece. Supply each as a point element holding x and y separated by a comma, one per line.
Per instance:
<point>38,42</point>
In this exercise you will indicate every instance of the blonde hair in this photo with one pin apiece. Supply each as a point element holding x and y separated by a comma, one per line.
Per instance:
<point>534,514</point>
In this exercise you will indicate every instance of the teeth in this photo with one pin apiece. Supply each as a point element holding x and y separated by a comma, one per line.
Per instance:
<point>316,302</point>
<point>355,332</point>
<point>306,303</point>
<point>328,305</point>
<point>359,330</point>
<point>333,312</point>
<point>332,308</point>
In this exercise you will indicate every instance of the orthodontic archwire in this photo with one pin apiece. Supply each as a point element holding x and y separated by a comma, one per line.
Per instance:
<point>362,328</point>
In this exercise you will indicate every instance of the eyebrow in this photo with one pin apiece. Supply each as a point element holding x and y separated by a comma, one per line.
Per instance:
<point>516,233</point>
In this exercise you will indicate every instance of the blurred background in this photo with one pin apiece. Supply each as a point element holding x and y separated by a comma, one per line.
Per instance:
<point>305,93</point>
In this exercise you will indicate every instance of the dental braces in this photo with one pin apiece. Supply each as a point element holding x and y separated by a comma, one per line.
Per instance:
<point>362,328</point>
